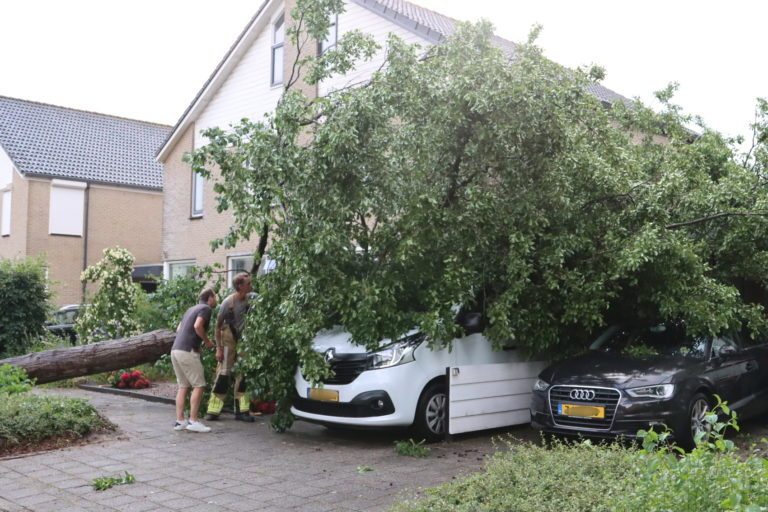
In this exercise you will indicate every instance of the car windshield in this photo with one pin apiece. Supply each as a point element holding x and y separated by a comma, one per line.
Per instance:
<point>664,340</point>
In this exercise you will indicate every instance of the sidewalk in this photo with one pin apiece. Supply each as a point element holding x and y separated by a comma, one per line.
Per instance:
<point>236,467</point>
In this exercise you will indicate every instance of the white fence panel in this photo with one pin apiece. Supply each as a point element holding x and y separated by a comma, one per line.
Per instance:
<point>490,395</point>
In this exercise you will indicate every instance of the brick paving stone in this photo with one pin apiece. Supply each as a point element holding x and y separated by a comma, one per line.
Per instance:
<point>236,467</point>
<point>35,499</point>
<point>163,497</point>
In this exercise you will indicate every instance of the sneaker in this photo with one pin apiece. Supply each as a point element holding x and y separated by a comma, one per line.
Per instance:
<point>180,425</point>
<point>211,417</point>
<point>243,416</point>
<point>196,426</point>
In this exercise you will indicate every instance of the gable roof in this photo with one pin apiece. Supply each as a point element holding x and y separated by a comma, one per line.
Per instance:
<point>57,142</point>
<point>429,24</point>
<point>436,27</point>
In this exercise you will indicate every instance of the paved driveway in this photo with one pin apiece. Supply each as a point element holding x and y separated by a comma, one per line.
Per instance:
<point>236,467</point>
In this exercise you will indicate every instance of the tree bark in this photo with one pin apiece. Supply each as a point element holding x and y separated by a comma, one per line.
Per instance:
<point>105,356</point>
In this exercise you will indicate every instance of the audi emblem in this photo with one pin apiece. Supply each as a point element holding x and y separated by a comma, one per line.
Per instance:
<point>582,394</point>
<point>329,355</point>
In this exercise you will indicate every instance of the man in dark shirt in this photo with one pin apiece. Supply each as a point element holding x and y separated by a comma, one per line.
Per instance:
<point>185,356</point>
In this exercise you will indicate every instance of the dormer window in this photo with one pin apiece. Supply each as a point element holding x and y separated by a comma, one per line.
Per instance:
<point>278,42</point>
<point>332,38</point>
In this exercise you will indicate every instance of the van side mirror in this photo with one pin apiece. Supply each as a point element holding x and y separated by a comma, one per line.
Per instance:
<point>726,351</point>
<point>472,323</point>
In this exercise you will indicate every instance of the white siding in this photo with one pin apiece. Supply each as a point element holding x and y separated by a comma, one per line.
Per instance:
<point>67,207</point>
<point>357,17</point>
<point>490,395</point>
<point>6,169</point>
<point>247,91</point>
<point>5,221</point>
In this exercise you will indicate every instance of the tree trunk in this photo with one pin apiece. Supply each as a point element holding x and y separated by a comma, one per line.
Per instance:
<point>105,356</point>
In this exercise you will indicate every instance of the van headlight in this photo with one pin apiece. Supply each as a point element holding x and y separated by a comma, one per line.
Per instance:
<point>397,353</point>
<point>660,391</point>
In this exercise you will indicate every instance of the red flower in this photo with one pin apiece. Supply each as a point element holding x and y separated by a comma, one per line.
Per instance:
<point>125,377</point>
<point>136,374</point>
<point>121,384</point>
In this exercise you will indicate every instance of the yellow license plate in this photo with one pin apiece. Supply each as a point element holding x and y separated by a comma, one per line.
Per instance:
<point>582,411</point>
<point>325,395</point>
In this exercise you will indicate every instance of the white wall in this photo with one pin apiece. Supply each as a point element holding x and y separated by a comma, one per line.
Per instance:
<point>247,91</point>
<point>66,208</point>
<point>6,169</point>
<point>357,17</point>
<point>5,219</point>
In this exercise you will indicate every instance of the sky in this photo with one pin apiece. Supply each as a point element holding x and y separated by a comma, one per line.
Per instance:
<point>148,59</point>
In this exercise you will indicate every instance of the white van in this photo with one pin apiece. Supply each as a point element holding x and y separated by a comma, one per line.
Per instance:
<point>403,384</point>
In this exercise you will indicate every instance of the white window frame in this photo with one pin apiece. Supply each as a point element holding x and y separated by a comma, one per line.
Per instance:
<point>198,184</point>
<point>168,267</point>
<point>66,210</point>
<point>333,36</point>
<point>277,46</point>
<point>231,272</point>
<point>5,216</point>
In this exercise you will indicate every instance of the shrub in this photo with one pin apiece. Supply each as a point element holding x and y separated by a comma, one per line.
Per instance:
<point>27,418</point>
<point>588,477</point>
<point>13,380</point>
<point>24,303</point>
<point>112,313</point>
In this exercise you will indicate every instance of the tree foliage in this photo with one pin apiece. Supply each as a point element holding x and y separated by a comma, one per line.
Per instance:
<point>24,302</point>
<point>112,311</point>
<point>458,177</point>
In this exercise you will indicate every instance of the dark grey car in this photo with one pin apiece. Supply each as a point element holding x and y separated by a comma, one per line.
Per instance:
<point>633,378</point>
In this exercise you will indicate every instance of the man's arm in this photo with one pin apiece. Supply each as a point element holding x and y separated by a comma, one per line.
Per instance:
<point>200,325</point>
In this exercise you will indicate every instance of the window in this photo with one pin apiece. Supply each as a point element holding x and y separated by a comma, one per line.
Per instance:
<point>237,264</point>
<point>332,38</point>
<point>267,266</point>
<point>67,206</point>
<point>197,194</point>
<point>278,41</point>
<point>5,221</point>
<point>176,269</point>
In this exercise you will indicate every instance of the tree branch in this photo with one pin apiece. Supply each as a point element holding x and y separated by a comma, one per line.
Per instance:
<point>714,216</point>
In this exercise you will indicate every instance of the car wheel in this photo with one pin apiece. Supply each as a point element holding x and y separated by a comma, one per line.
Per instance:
<point>698,408</point>
<point>432,413</point>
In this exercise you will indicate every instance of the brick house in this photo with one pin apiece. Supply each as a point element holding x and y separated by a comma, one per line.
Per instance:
<point>248,83</point>
<point>73,183</point>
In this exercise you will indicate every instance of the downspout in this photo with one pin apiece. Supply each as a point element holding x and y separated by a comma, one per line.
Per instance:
<point>85,237</point>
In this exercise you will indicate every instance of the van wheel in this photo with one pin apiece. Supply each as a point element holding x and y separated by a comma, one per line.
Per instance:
<point>432,413</point>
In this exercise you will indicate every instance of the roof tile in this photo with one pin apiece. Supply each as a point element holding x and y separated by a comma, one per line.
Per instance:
<point>59,142</point>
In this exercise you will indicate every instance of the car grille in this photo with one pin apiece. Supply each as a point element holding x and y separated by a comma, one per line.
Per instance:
<point>605,397</point>
<point>346,368</point>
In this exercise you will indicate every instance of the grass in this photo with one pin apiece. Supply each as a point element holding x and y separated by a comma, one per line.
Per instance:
<point>411,448</point>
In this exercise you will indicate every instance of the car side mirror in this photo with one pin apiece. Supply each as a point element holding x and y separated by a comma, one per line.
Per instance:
<point>726,351</point>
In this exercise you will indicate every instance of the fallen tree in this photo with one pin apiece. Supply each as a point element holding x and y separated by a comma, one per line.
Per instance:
<point>65,363</point>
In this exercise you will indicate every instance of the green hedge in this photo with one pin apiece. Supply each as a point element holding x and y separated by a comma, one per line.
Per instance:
<point>590,478</point>
<point>28,418</point>
<point>23,303</point>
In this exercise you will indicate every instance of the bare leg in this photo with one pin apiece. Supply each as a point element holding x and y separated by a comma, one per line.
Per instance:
<point>181,397</point>
<point>194,403</point>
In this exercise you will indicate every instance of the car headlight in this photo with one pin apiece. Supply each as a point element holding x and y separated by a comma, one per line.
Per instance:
<point>397,353</point>
<point>660,391</point>
<point>540,385</point>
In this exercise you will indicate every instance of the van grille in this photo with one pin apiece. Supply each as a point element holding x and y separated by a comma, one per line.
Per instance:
<point>346,368</point>
<point>604,397</point>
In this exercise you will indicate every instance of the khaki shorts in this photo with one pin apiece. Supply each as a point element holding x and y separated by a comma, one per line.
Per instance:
<point>188,369</point>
